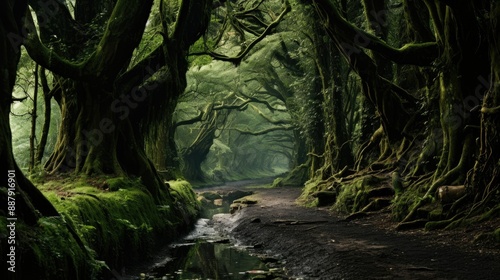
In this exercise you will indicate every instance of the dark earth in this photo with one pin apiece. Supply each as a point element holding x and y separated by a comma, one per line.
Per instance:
<point>316,243</point>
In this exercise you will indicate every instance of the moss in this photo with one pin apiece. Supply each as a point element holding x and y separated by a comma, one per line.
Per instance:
<point>496,235</point>
<point>403,203</point>
<point>186,197</point>
<point>311,187</point>
<point>114,217</point>
<point>353,195</point>
<point>50,251</point>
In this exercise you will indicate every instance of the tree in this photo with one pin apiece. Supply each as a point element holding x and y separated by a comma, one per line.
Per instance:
<point>220,114</point>
<point>107,104</point>
<point>30,203</point>
<point>427,105</point>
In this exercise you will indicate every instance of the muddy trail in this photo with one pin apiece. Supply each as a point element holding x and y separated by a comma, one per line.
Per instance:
<point>314,243</point>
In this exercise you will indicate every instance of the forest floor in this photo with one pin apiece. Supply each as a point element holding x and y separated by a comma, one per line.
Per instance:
<point>315,243</point>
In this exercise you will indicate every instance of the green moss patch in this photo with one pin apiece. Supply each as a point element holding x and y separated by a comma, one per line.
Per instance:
<point>105,222</point>
<point>50,250</point>
<point>353,195</point>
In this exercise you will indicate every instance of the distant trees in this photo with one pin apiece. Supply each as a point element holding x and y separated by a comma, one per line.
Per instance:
<point>214,120</point>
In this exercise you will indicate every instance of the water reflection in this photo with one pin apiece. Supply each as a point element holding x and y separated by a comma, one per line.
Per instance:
<point>204,254</point>
<point>207,260</point>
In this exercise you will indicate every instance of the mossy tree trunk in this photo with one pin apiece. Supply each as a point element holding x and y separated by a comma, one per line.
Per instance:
<point>108,109</point>
<point>47,97</point>
<point>337,151</point>
<point>463,64</point>
<point>194,155</point>
<point>485,178</point>
<point>464,60</point>
<point>29,201</point>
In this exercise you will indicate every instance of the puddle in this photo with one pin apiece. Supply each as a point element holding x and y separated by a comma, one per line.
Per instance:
<point>203,254</point>
<point>207,260</point>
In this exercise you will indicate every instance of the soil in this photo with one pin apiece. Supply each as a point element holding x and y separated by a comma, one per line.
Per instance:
<point>316,243</point>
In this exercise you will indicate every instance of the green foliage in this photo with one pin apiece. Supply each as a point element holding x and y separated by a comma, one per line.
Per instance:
<point>21,114</point>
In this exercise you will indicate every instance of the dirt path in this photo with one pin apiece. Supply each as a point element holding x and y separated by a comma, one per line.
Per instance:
<point>312,243</point>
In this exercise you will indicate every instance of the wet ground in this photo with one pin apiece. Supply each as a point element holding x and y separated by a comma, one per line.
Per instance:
<point>311,243</point>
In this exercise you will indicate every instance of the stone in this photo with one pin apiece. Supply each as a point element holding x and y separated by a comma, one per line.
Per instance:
<point>218,202</point>
<point>232,195</point>
<point>210,195</point>
<point>255,220</point>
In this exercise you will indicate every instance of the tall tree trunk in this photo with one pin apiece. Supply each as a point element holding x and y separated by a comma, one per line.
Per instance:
<point>485,179</point>
<point>108,109</point>
<point>33,121</point>
<point>47,97</point>
<point>30,202</point>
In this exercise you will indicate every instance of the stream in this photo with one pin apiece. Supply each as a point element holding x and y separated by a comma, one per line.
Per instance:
<point>203,253</point>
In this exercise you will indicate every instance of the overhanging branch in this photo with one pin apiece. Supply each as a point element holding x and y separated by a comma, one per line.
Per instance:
<point>237,59</point>
<point>421,54</point>
<point>264,131</point>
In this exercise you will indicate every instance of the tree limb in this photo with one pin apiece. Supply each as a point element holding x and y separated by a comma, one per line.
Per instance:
<point>196,119</point>
<point>237,59</point>
<point>265,131</point>
<point>421,54</point>
<point>47,57</point>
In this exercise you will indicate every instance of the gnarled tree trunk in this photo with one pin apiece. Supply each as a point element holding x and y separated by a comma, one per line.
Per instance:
<point>29,201</point>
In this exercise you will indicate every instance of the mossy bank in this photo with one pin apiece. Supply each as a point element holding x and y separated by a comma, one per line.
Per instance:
<point>106,224</point>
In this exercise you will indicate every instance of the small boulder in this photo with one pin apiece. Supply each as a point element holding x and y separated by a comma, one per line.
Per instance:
<point>210,195</point>
<point>232,195</point>
<point>218,202</point>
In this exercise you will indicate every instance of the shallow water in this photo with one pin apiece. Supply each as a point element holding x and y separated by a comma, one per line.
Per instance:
<point>207,260</point>
<point>202,254</point>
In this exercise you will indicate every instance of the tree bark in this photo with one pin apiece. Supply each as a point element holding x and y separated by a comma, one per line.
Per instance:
<point>485,178</point>
<point>30,202</point>
<point>47,97</point>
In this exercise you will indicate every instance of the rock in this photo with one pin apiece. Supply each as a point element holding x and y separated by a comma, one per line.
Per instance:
<point>268,259</point>
<point>218,202</point>
<point>222,241</point>
<point>232,195</point>
<point>383,191</point>
<point>255,220</point>
<point>325,197</point>
<point>203,200</point>
<point>234,207</point>
<point>210,195</point>
<point>245,201</point>
<point>257,245</point>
